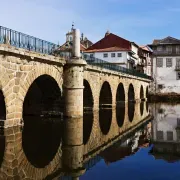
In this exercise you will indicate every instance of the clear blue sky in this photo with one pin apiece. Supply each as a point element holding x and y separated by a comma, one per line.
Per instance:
<point>136,20</point>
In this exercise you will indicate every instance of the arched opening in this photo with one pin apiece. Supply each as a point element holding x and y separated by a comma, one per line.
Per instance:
<point>87,96</point>
<point>141,107</point>
<point>120,105</point>
<point>42,115</point>
<point>87,113</point>
<point>2,107</point>
<point>43,98</point>
<point>105,99</point>
<point>131,94</point>
<point>131,102</point>
<point>105,108</point>
<point>141,93</point>
<point>147,92</point>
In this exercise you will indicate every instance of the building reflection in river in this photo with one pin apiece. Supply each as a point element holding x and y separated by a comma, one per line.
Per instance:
<point>166,131</point>
<point>52,148</point>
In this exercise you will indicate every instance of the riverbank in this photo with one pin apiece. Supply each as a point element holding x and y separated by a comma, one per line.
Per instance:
<point>165,97</point>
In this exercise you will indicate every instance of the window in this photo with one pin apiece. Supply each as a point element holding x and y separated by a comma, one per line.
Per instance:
<point>105,55</point>
<point>169,135</point>
<point>91,55</point>
<point>169,49</point>
<point>85,56</point>
<point>119,54</point>
<point>159,48</point>
<point>178,75</point>
<point>160,135</point>
<point>178,62</point>
<point>169,62</point>
<point>177,49</point>
<point>113,55</point>
<point>160,86</point>
<point>159,62</point>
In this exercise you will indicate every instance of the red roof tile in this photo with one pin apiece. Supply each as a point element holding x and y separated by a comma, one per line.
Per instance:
<point>110,41</point>
<point>110,49</point>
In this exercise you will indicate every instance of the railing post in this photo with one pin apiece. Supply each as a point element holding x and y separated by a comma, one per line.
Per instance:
<point>19,39</point>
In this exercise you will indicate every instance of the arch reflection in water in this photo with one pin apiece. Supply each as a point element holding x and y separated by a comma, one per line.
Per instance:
<point>41,138</point>
<point>141,108</point>
<point>87,114</point>
<point>2,107</point>
<point>105,108</point>
<point>2,146</point>
<point>147,106</point>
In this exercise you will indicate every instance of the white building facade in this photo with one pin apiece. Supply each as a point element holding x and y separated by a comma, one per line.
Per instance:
<point>117,57</point>
<point>166,65</point>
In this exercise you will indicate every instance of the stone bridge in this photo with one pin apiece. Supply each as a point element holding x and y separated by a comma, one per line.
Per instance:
<point>36,84</point>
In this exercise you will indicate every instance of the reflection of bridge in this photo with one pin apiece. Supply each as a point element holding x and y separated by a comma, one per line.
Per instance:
<point>32,83</point>
<point>68,158</point>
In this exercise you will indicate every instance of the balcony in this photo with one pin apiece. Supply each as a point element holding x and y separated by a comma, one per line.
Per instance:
<point>166,53</point>
<point>162,53</point>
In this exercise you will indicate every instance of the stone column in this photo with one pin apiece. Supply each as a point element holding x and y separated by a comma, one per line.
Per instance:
<point>73,80</point>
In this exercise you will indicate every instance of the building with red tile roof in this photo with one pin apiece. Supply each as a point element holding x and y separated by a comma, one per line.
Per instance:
<point>115,49</point>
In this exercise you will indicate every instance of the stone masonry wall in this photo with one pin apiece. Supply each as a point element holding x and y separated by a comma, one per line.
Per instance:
<point>18,69</point>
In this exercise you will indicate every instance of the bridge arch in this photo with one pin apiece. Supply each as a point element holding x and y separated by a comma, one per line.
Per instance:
<point>131,102</point>
<point>147,92</point>
<point>120,94</point>
<point>88,104</point>
<point>51,71</point>
<point>131,93</point>
<point>120,105</point>
<point>141,93</point>
<point>43,97</point>
<point>105,97</point>
<point>88,100</point>
<point>2,106</point>
<point>105,108</point>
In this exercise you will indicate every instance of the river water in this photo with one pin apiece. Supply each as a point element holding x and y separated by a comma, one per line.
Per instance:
<point>135,141</point>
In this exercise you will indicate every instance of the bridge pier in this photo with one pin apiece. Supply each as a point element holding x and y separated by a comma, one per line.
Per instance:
<point>73,81</point>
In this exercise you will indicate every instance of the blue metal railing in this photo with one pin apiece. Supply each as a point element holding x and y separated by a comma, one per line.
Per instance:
<point>25,41</point>
<point>107,65</point>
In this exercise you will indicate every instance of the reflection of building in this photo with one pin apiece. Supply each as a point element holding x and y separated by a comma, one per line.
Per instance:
<point>65,50</point>
<point>129,146</point>
<point>166,130</point>
<point>166,65</point>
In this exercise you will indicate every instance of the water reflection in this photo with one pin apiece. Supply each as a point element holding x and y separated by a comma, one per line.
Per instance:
<point>120,113</point>
<point>87,125</point>
<point>105,119</point>
<point>41,138</point>
<point>166,132</point>
<point>131,109</point>
<point>142,107</point>
<point>51,148</point>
